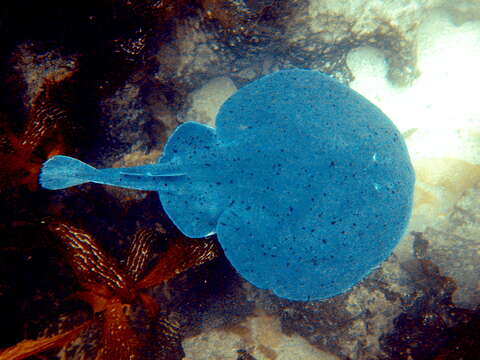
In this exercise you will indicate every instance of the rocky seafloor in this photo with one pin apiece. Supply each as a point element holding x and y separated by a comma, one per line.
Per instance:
<point>108,82</point>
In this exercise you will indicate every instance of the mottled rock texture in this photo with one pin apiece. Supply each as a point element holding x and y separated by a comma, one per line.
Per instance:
<point>455,247</point>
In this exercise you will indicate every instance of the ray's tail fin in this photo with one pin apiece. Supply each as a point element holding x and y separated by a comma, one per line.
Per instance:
<point>60,172</point>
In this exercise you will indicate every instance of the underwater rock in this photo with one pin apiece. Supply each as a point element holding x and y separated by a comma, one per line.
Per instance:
<point>351,325</point>
<point>463,10</point>
<point>453,246</point>
<point>429,325</point>
<point>193,54</point>
<point>125,123</point>
<point>366,323</point>
<point>221,39</point>
<point>258,337</point>
<point>328,30</point>
<point>36,67</point>
<point>206,101</point>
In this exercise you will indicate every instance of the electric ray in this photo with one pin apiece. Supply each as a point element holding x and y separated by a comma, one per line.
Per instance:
<point>307,185</point>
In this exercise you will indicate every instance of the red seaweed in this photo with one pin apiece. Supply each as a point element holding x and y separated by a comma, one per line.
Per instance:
<point>111,290</point>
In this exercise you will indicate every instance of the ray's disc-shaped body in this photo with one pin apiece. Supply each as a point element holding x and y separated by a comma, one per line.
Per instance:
<point>306,183</point>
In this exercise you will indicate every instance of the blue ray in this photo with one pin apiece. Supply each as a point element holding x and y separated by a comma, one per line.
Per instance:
<point>307,184</point>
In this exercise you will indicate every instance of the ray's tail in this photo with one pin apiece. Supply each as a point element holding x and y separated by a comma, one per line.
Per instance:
<point>60,172</point>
